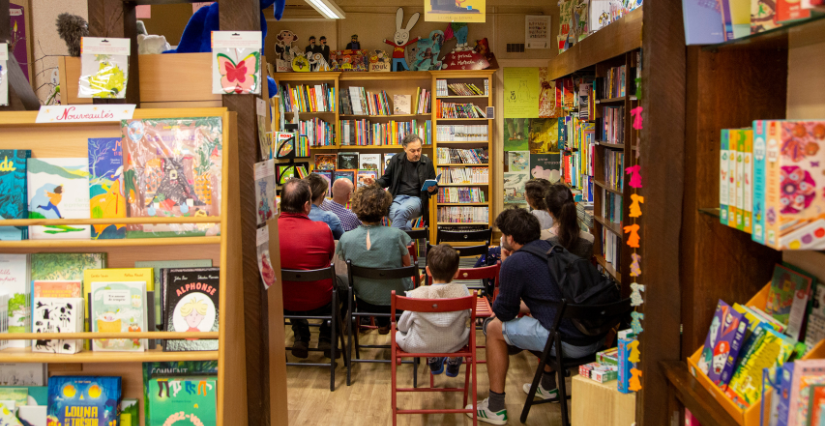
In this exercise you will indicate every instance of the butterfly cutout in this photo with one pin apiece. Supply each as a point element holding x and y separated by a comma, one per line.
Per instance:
<point>240,78</point>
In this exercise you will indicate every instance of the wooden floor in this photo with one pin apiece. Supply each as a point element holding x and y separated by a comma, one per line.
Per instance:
<point>367,401</point>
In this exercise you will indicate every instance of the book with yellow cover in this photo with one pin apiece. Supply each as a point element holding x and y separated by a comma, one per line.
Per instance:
<point>90,276</point>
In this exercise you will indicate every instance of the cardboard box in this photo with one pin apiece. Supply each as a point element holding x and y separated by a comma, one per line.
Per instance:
<point>614,408</point>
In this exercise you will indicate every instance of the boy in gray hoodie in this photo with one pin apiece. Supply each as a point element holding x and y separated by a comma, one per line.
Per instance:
<point>442,332</point>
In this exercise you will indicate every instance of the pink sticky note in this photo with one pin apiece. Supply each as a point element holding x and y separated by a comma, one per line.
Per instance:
<point>143,12</point>
<point>635,177</point>
<point>637,117</point>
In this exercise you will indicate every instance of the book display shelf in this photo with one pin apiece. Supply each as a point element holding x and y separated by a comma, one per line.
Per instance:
<point>70,140</point>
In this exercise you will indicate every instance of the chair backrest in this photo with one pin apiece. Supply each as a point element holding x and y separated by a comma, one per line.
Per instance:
<point>466,251</point>
<point>419,234</point>
<point>312,275</point>
<point>487,272</point>
<point>403,303</point>
<point>383,273</point>
<point>484,235</point>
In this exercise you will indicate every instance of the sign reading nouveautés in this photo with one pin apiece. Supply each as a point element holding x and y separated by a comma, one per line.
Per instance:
<point>84,113</point>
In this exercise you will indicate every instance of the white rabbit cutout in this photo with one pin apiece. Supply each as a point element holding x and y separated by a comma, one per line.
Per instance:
<point>401,39</point>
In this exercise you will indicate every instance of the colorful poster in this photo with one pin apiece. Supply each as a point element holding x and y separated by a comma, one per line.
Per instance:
<point>514,187</point>
<point>549,105</point>
<point>516,132</point>
<point>521,94</point>
<point>455,10</point>
<point>544,135</point>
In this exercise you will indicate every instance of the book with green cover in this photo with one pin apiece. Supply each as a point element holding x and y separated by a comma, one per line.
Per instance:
<point>38,395</point>
<point>20,395</point>
<point>173,369</point>
<point>64,266</point>
<point>157,265</point>
<point>119,307</point>
<point>766,349</point>
<point>129,413</point>
<point>193,400</point>
<point>788,299</point>
<point>15,280</point>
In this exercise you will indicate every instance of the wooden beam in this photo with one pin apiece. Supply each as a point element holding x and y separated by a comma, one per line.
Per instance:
<point>662,161</point>
<point>118,18</point>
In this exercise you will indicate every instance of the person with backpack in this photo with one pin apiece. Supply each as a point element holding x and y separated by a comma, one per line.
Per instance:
<point>527,283</point>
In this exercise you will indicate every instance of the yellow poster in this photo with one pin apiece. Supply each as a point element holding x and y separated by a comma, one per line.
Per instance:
<point>455,10</point>
<point>521,92</point>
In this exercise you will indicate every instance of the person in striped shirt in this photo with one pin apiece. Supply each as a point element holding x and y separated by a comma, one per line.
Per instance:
<point>341,193</point>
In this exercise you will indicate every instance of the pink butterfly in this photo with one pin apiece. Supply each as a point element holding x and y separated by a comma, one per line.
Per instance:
<point>239,78</point>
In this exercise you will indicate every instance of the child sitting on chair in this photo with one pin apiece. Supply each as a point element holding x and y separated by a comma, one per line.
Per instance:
<point>442,332</point>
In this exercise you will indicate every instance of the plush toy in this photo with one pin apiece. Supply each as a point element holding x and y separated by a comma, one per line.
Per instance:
<point>197,36</point>
<point>71,29</point>
<point>401,39</point>
<point>152,44</point>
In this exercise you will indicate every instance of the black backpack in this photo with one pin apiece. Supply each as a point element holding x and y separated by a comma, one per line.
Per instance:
<point>580,283</point>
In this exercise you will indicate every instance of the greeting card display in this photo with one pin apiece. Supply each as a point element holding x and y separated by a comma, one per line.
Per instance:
<point>236,62</point>
<point>104,67</point>
<point>173,169</point>
<point>58,189</point>
<point>191,302</point>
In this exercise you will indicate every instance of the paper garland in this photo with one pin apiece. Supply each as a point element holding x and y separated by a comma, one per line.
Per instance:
<point>633,238</point>
<point>636,323</point>
<point>635,209</point>
<point>634,351</point>
<point>635,177</point>
<point>637,117</point>
<point>635,269</point>
<point>636,295</point>
<point>634,242</point>
<point>635,382</point>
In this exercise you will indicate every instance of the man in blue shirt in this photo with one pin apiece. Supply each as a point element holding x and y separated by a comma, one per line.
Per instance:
<point>319,188</point>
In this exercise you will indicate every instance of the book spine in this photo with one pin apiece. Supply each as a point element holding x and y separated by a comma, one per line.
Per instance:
<point>732,151</point>
<point>735,347</point>
<point>727,20</point>
<point>723,180</point>
<point>747,164</point>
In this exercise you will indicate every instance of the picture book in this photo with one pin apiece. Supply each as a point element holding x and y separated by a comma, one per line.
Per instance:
<point>90,276</point>
<point>370,162</point>
<point>728,345</point>
<point>129,413</point>
<point>737,138</point>
<point>173,168</point>
<point>7,414</point>
<point>14,200</point>
<point>64,266</point>
<point>363,174</point>
<point>286,146</point>
<point>387,157</point>
<point>57,289</point>
<point>326,174</point>
<point>344,174</point>
<point>106,187</point>
<point>347,160</point>
<point>815,324</point>
<point>173,369</point>
<point>767,319</point>
<point>157,265</point>
<point>518,161</point>
<point>33,415</point>
<point>37,395</point>
<point>15,281</point>
<point>763,16</point>
<point>23,374</point>
<point>816,405</point>
<point>191,303</point>
<point>769,350</point>
<point>58,189</point>
<point>706,359</point>
<point>20,396</point>
<point>326,161</point>
<point>806,373</point>
<point>264,262</point>
<point>402,104</point>
<point>746,135</point>
<point>740,11</point>
<point>119,307</point>
<point>733,149</point>
<point>788,299</point>
<point>514,187</point>
<point>178,399</point>
<point>788,11</point>
<point>76,400</point>
<point>265,190</point>
<point>782,394</point>
<point>57,315</point>
<point>723,179</point>
<point>546,166</point>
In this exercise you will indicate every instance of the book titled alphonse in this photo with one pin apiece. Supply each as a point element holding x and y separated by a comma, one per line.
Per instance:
<point>58,189</point>
<point>192,400</point>
<point>191,303</point>
<point>106,187</point>
<point>157,266</point>
<point>173,168</point>
<point>14,201</point>
<point>84,400</point>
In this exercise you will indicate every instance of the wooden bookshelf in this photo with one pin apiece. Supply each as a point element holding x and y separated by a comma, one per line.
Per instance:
<point>224,250</point>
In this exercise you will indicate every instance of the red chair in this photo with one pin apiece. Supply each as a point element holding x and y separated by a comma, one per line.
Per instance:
<point>468,352</point>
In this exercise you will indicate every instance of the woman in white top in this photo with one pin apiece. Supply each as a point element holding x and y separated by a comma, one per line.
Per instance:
<point>535,190</point>
<point>565,230</point>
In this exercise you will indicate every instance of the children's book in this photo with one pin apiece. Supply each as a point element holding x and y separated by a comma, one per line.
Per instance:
<point>84,400</point>
<point>59,189</point>
<point>119,307</point>
<point>173,369</point>
<point>347,160</point>
<point>370,162</point>
<point>33,415</point>
<point>90,276</point>
<point>806,373</point>
<point>157,266</point>
<point>733,150</point>
<point>326,174</point>
<point>740,11</point>
<point>763,16</point>
<point>129,414</point>
<point>402,104</point>
<point>20,396</point>
<point>64,266</point>
<point>190,398</point>
<point>15,281</point>
<point>706,359</point>
<point>57,315</point>
<point>364,174</point>
<point>23,374</point>
<point>767,319</point>
<point>57,289</point>
<point>782,393</point>
<point>815,324</point>
<point>344,174</point>
<point>766,350</point>
<point>747,178</point>
<point>191,303</point>
<point>173,168</point>
<point>736,137</point>
<point>728,347</point>
<point>14,200</point>
<point>788,11</point>
<point>387,157</point>
<point>703,22</point>
<point>816,405</point>
<point>7,414</point>
<point>788,299</point>
<point>727,19</point>
<point>723,178</point>
<point>37,395</point>
<point>106,194</point>
<point>265,190</point>
<point>326,161</point>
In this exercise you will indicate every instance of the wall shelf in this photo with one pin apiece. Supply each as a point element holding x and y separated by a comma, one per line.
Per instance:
<point>154,355</point>
<point>610,226</point>
<point>607,187</point>
<point>609,268</point>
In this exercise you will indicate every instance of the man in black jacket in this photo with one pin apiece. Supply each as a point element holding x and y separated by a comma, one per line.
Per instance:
<point>405,176</point>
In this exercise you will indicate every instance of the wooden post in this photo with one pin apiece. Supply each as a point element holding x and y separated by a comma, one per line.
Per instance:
<point>245,15</point>
<point>118,18</point>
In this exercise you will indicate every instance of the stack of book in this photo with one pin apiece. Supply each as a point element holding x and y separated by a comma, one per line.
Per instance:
<point>365,133</point>
<point>463,214</point>
<point>614,83</point>
<point>421,102</point>
<point>456,110</point>
<point>614,169</point>
<point>463,174</point>
<point>453,133</point>
<point>357,101</point>
<point>306,98</point>
<point>318,133</point>
<point>462,156</point>
<point>611,207</point>
<point>461,195</point>
<point>611,124</point>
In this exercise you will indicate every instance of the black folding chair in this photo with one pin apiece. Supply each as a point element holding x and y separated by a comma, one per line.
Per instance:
<point>485,235</point>
<point>375,274</point>
<point>417,234</point>
<point>611,314</point>
<point>334,318</point>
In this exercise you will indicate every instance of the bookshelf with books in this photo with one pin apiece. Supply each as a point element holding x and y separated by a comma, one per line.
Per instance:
<point>204,236</point>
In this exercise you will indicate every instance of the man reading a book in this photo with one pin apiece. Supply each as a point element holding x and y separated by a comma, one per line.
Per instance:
<point>405,176</point>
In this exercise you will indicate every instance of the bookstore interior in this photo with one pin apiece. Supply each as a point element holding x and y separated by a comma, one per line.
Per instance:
<point>228,213</point>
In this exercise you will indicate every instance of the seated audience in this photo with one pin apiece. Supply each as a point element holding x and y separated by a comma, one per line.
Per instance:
<point>341,193</point>
<point>372,245</point>
<point>526,283</point>
<point>441,332</point>
<point>535,190</point>
<point>565,230</point>
<point>309,246</point>
<point>319,190</point>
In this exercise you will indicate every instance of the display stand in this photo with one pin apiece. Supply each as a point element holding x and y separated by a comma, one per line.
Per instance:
<point>70,140</point>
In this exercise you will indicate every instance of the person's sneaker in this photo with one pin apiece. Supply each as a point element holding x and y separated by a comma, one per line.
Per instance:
<point>452,369</point>
<point>541,393</point>
<point>326,346</point>
<point>384,329</point>
<point>300,349</point>
<point>487,416</point>
<point>436,365</point>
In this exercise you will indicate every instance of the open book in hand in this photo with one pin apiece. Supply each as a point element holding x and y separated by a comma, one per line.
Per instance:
<point>431,182</point>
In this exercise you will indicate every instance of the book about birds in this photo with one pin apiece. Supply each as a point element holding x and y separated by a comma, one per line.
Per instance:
<point>106,187</point>
<point>173,369</point>
<point>119,307</point>
<point>184,400</point>
<point>59,189</point>
<point>173,168</point>
<point>15,279</point>
<point>191,303</point>
<point>57,315</point>
<point>14,200</point>
<point>84,400</point>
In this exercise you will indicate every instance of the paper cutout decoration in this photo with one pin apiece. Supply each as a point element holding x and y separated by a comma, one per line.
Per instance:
<point>635,177</point>
<point>379,61</point>
<point>236,59</point>
<point>636,295</point>
<point>635,382</point>
<point>635,269</point>
<point>427,51</point>
<point>401,40</point>
<point>637,117</point>
<point>634,351</point>
<point>635,209</point>
<point>300,63</point>
<point>636,324</point>
<point>285,51</point>
<point>633,238</point>
<point>317,63</point>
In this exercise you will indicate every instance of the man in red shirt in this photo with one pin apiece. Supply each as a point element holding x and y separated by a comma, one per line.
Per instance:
<point>305,245</point>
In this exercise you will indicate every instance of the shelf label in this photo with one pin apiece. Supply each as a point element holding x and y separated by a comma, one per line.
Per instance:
<point>85,113</point>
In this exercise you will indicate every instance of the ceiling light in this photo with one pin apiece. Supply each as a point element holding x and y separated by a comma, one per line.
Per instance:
<point>327,8</point>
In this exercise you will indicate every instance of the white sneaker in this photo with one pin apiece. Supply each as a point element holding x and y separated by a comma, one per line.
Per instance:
<point>541,393</point>
<point>487,416</point>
